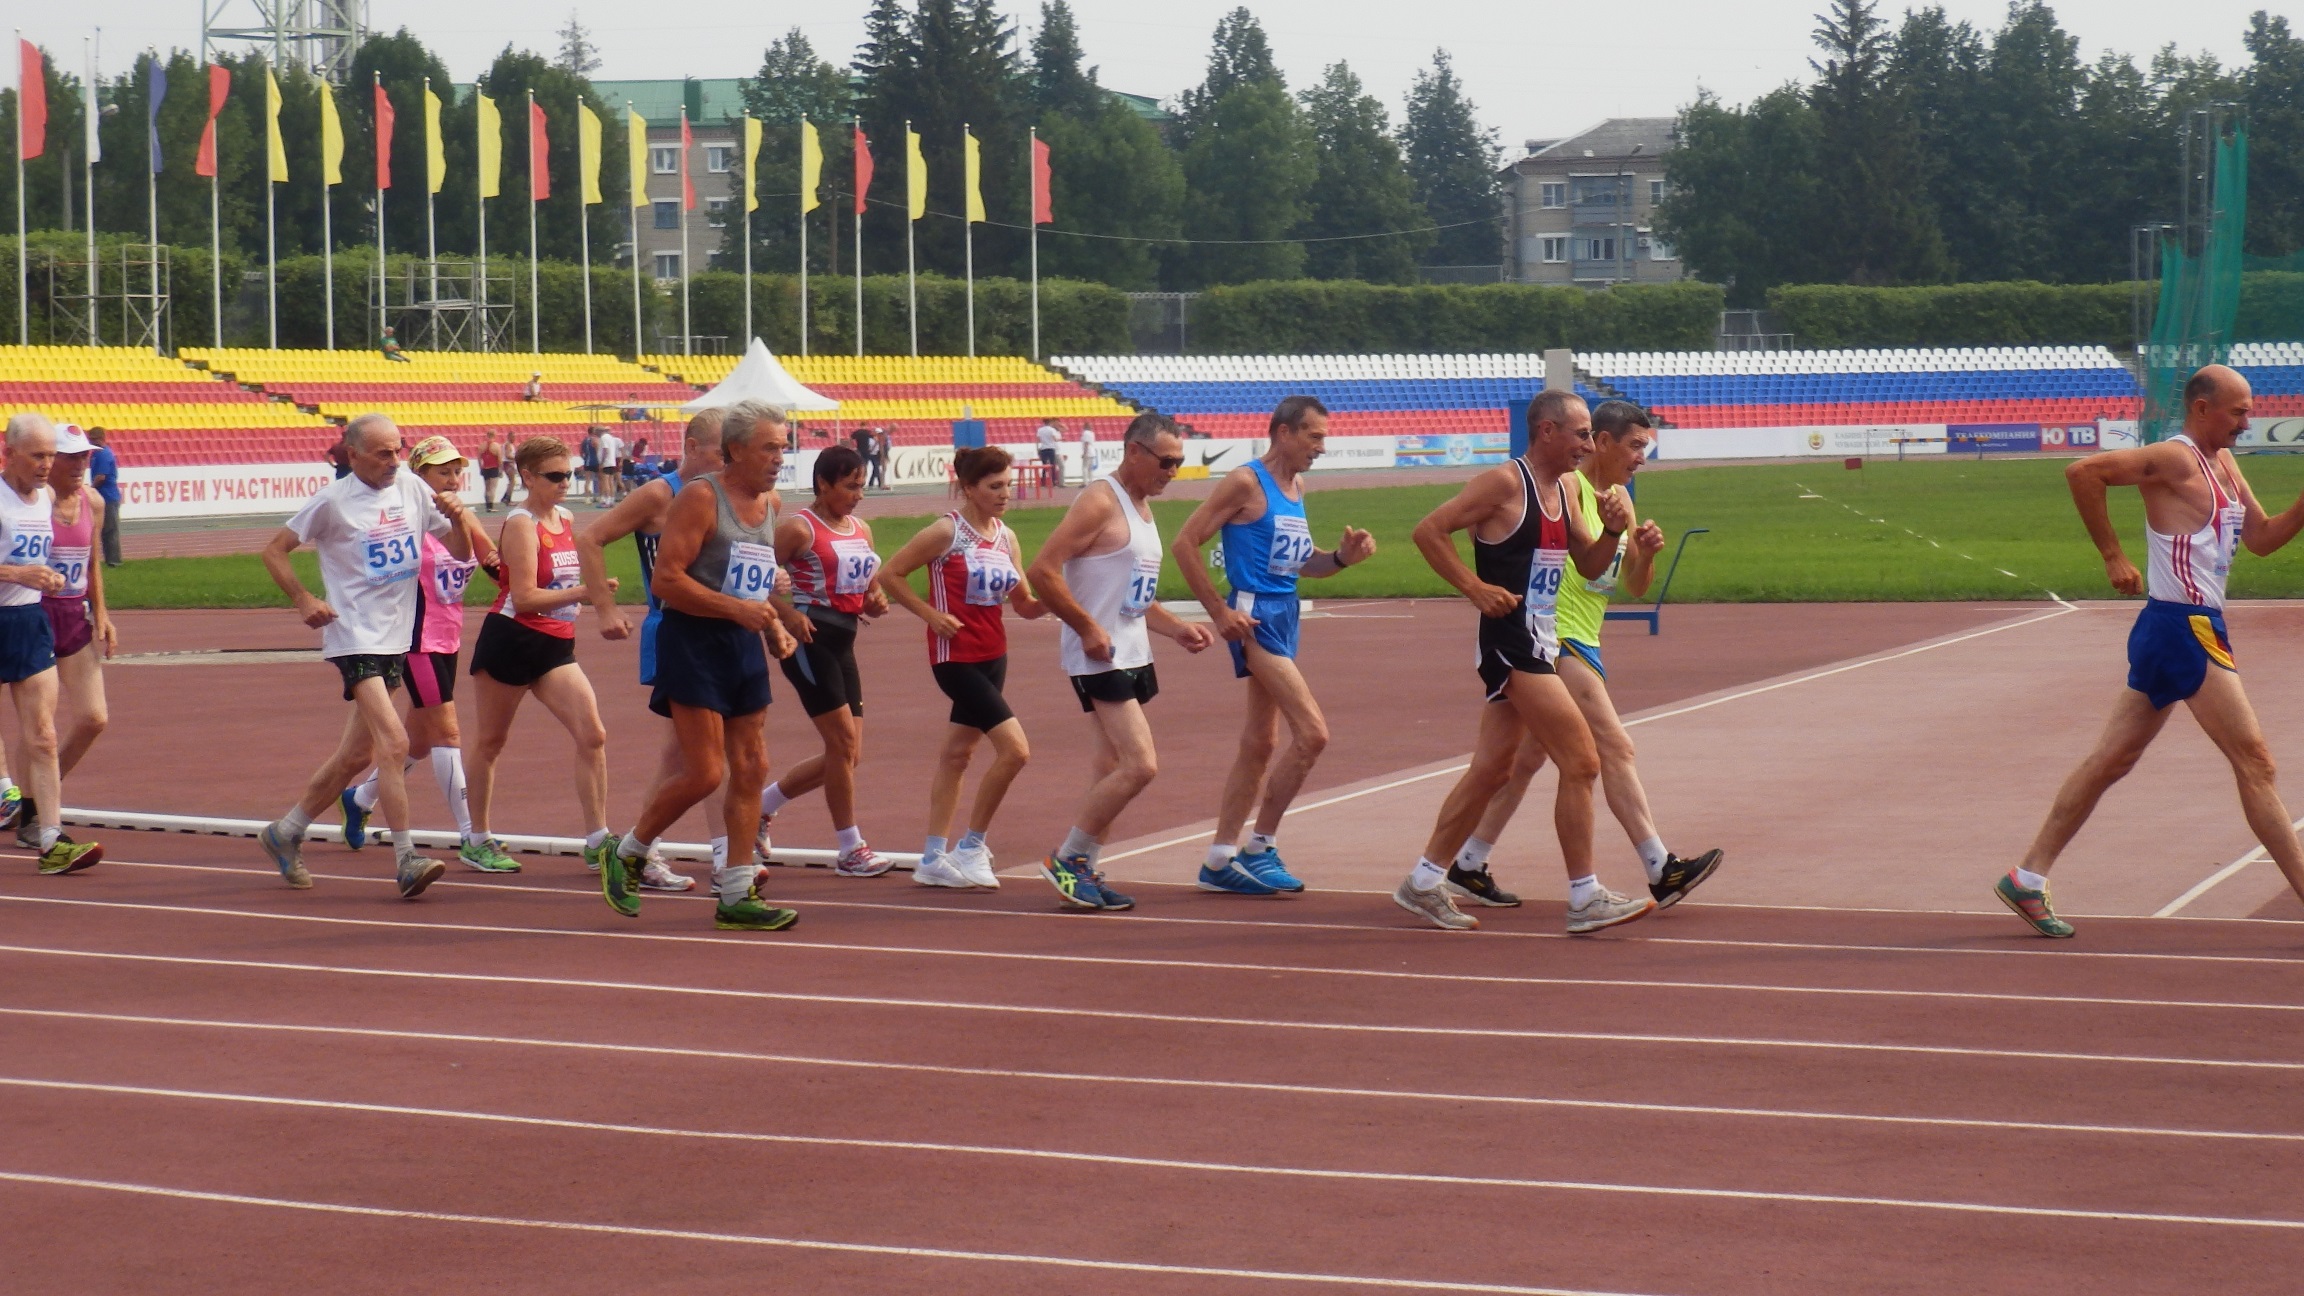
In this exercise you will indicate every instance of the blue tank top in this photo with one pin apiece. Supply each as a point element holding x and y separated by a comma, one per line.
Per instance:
<point>646,541</point>
<point>1263,556</point>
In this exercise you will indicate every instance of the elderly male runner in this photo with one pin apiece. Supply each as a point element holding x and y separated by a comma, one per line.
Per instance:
<point>1621,437</point>
<point>2197,509</point>
<point>365,526</point>
<point>1099,573</point>
<point>1259,508</point>
<point>27,639</point>
<point>1525,540</point>
<point>641,515</point>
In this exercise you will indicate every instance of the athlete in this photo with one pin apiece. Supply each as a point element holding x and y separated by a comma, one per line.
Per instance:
<point>1099,573</point>
<point>528,644</point>
<point>2197,510</point>
<point>492,471</point>
<point>828,550</point>
<point>77,618</point>
<point>1525,540</point>
<point>366,526</point>
<point>716,574</point>
<point>641,515</point>
<point>430,669</point>
<point>1622,435</point>
<point>1259,510</point>
<point>974,568</point>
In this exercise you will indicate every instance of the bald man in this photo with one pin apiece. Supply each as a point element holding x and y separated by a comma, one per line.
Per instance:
<point>2197,511</point>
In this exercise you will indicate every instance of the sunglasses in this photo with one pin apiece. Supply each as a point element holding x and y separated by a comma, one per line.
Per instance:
<point>1168,463</point>
<point>556,478</point>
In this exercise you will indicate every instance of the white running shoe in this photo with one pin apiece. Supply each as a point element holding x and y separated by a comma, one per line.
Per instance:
<point>938,871</point>
<point>1433,906</point>
<point>658,876</point>
<point>1608,909</point>
<point>760,839</point>
<point>861,862</point>
<point>975,864</point>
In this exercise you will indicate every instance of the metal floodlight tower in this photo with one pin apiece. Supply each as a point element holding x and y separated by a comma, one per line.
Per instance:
<point>320,35</point>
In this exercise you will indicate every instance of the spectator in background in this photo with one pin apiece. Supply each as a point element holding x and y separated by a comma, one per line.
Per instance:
<point>390,346</point>
<point>1088,452</point>
<point>861,438</point>
<point>591,459</point>
<point>1049,437</point>
<point>880,448</point>
<point>534,391</point>
<point>611,469</point>
<point>104,476</point>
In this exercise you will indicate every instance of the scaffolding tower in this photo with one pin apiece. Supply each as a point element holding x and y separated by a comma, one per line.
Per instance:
<point>319,35</point>
<point>128,307</point>
<point>444,305</point>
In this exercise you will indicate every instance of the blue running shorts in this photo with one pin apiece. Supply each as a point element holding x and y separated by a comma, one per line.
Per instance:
<point>1278,620</point>
<point>2171,648</point>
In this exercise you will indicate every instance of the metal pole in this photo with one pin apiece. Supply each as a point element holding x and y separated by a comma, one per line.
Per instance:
<point>88,185</point>
<point>215,254</point>
<point>535,308</point>
<point>749,187</point>
<point>803,281</point>
<point>911,280</point>
<point>152,229</point>
<point>480,275</point>
<point>857,125</point>
<point>1032,151</point>
<point>639,190</point>
<point>271,270</point>
<point>584,258</point>
<point>23,270</point>
<point>327,264</point>
<point>383,285</point>
<point>687,330</point>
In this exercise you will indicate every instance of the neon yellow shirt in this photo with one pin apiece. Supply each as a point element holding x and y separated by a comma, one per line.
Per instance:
<point>1584,603</point>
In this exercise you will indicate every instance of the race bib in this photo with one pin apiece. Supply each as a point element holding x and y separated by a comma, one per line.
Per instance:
<point>1605,582</point>
<point>1546,568</point>
<point>751,574</point>
<point>392,551</point>
<point>2229,522</point>
<point>29,541</point>
<point>567,573</point>
<point>1291,545</point>
<point>71,561</point>
<point>853,565</point>
<point>991,577</point>
<point>1143,587</point>
<point>449,577</point>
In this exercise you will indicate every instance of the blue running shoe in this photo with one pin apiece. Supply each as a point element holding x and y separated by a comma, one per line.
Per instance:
<point>1073,880</point>
<point>355,820</point>
<point>1266,867</point>
<point>1108,899</point>
<point>1235,879</point>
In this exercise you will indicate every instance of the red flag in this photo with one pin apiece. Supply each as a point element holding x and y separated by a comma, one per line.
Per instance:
<point>539,155</point>
<point>863,169</point>
<point>384,118</point>
<point>687,183</point>
<point>219,89</point>
<point>1043,207</point>
<point>31,101</point>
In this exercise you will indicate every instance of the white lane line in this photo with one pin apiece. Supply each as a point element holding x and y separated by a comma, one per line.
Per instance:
<point>797,1244</point>
<point>1174,1019</point>
<point>1163,1163</point>
<point>2214,880</point>
<point>1291,1090</point>
<point>1198,965</point>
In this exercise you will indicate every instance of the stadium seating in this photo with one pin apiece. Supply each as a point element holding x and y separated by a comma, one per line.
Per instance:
<point>156,412</point>
<point>2276,371</point>
<point>1822,388</point>
<point>917,397</point>
<point>1368,395</point>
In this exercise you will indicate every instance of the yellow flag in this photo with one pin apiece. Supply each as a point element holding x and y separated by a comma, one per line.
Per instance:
<point>275,149</point>
<point>811,166</point>
<point>973,165</point>
<point>752,163</point>
<point>636,154</point>
<point>588,152</point>
<point>331,139</point>
<point>915,174</point>
<point>491,156</point>
<point>435,153</point>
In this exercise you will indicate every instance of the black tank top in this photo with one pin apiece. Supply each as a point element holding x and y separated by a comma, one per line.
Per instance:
<point>1505,563</point>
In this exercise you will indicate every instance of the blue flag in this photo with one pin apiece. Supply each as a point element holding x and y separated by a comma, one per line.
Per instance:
<point>158,92</point>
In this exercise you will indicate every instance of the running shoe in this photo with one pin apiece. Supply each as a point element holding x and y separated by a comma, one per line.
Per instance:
<point>2031,906</point>
<point>749,914</point>
<point>1235,879</point>
<point>760,838</point>
<point>68,856</point>
<point>1475,885</point>
<point>1073,880</point>
<point>656,875</point>
<point>417,873</point>
<point>975,864</point>
<point>28,828</point>
<point>619,882</point>
<point>939,871</point>
<point>861,862</point>
<point>1113,901</point>
<point>287,855</point>
<point>1683,876</point>
<point>355,820</point>
<point>12,807</point>
<point>1265,867</point>
<point>1607,909</point>
<point>1433,906</point>
<point>595,856</point>
<point>488,856</point>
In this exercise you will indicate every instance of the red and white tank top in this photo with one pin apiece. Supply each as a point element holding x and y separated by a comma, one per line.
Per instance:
<point>837,568</point>
<point>557,568</point>
<point>69,550</point>
<point>975,575</point>
<point>2192,568</point>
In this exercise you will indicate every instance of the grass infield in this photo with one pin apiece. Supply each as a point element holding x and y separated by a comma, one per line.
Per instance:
<point>1814,532</point>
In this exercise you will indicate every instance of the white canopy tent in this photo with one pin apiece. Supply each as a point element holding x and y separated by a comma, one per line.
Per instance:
<point>759,377</point>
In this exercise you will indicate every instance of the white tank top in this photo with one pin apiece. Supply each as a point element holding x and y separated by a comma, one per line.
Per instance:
<point>27,533</point>
<point>1114,589</point>
<point>2191,568</point>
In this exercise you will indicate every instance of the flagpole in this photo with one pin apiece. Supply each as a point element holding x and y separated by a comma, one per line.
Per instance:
<point>88,185</point>
<point>1032,165</point>
<point>584,244</point>
<point>271,268</point>
<point>535,313</point>
<point>431,227</point>
<point>748,263</point>
<point>152,214</point>
<point>687,331</point>
<point>215,255</point>
<point>804,196</point>
<point>858,125</point>
<point>911,280</point>
<point>639,191</point>
<point>383,285</point>
<point>480,286</point>
<point>23,264</point>
<point>327,261</point>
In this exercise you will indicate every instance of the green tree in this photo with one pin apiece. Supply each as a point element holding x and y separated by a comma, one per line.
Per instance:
<point>793,84</point>
<point>1116,188</point>
<point>2276,137</point>
<point>1059,82</point>
<point>1453,165</point>
<point>1742,202</point>
<point>578,55</point>
<point>403,63</point>
<point>1936,69</point>
<point>1877,226</point>
<point>1249,165</point>
<point>558,92</point>
<point>1239,56</point>
<point>1359,188</point>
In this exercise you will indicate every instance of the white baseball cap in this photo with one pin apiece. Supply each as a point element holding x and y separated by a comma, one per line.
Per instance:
<point>70,440</point>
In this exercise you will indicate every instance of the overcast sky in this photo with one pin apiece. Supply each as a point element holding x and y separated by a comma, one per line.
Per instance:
<point>1535,70</point>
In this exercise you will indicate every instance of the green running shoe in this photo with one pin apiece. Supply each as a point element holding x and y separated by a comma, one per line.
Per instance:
<point>69,856</point>
<point>1074,881</point>
<point>2031,906</point>
<point>749,914</point>
<point>619,880</point>
<point>11,808</point>
<point>488,856</point>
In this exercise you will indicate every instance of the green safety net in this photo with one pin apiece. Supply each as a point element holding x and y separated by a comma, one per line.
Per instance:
<point>2199,293</point>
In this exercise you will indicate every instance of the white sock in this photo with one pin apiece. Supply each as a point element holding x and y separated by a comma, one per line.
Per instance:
<point>1220,857</point>
<point>1474,857</point>
<point>936,846</point>
<point>1583,891</point>
<point>6,783</point>
<point>849,838</point>
<point>1427,876</point>
<point>293,823</point>
<point>1653,855</point>
<point>2030,880</point>
<point>734,884</point>
<point>364,795</point>
<point>1077,845</point>
<point>772,799</point>
<point>632,847</point>
<point>448,772</point>
<point>48,835</point>
<point>1258,843</point>
<point>719,853</point>
<point>403,842</point>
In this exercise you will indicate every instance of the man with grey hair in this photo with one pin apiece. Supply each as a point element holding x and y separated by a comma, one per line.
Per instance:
<point>27,640</point>
<point>365,526</point>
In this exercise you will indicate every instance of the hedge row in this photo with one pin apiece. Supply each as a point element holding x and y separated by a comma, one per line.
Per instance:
<point>2011,314</point>
<point>1344,317</point>
<point>190,284</point>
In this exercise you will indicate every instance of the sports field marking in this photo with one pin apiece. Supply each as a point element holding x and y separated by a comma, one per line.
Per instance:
<point>1287,1090</point>
<point>1173,1019</point>
<point>2024,580</point>
<point>1169,1163</point>
<point>797,1244</point>
<point>2214,880</point>
<point>803,945</point>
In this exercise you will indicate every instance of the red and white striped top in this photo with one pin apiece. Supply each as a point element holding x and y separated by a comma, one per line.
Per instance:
<point>2192,568</point>
<point>837,568</point>
<point>974,576</point>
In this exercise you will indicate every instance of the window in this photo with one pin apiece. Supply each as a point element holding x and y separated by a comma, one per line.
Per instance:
<point>667,265</point>
<point>664,159</point>
<point>1555,250</point>
<point>667,213</point>
<point>1659,250</point>
<point>718,157</point>
<point>1554,193</point>
<point>716,212</point>
<point>1655,192</point>
<point>1597,191</point>
<point>1597,249</point>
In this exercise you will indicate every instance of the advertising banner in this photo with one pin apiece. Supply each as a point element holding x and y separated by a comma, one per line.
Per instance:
<point>1453,451</point>
<point>220,490</point>
<point>1994,438</point>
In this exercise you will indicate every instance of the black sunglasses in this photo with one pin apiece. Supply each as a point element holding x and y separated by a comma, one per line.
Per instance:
<point>556,478</point>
